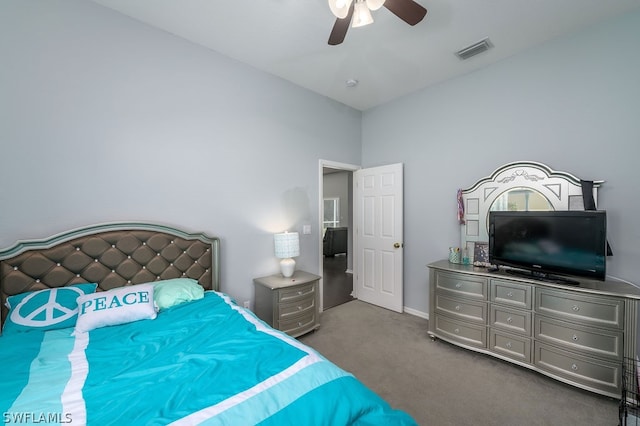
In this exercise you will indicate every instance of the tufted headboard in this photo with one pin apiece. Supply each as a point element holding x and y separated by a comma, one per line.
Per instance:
<point>111,255</point>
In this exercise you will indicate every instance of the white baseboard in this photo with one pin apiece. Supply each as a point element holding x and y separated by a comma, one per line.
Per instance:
<point>416,312</point>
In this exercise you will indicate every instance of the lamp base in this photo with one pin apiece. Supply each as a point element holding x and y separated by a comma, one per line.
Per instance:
<point>287,267</point>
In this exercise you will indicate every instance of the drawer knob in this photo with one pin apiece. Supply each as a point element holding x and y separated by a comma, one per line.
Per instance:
<point>575,308</point>
<point>458,285</point>
<point>509,320</point>
<point>299,308</point>
<point>299,324</point>
<point>510,294</point>
<point>457,330</point>
<point>575,338</point>
<point>574,367</point>
<point>299,291</point>
<point>508,345</point>
<point>457,308</point>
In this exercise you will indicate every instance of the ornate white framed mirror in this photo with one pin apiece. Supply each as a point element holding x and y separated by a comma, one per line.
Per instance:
<point>521,186</point>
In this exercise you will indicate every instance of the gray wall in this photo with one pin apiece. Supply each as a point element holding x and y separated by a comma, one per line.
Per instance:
<point>105,119</point>
<point>572,104</point>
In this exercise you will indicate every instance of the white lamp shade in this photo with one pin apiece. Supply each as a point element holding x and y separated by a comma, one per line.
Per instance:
<point>374,4</point>
<point>286,245</point>
<point>361,15</point>
<point>340,8</point>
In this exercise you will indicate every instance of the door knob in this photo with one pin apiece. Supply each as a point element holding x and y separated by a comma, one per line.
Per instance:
<point>396,245</point>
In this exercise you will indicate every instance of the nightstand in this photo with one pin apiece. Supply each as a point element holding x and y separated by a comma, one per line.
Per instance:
<point>288,304</point>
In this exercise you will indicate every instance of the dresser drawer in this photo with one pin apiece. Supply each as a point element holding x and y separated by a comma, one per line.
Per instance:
<point>464,333</point>
<point>287,310</point>
<point>295,293</point>
<point>511,346</point>
<point>589,340</point>
<point>465,310</point>
<point>462,285</point>
<point>511,294</point>
<point>604,376</point>
<point>511,320</point>
<point>600,311</point>
<point>295,326</point>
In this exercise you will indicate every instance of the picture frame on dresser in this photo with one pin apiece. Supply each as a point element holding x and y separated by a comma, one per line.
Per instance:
<point>481,254</point>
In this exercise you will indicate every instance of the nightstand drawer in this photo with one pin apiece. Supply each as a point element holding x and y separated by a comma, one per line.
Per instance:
<point>292,294</point>
<point>465,310</point>
<point>460,285</point>
<point>300,307</point>
<point>298,325</point>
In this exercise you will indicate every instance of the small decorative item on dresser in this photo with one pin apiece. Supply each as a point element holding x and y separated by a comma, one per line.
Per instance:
<point>454,254</point>
<point>471,248</point>
<point>481,254</point>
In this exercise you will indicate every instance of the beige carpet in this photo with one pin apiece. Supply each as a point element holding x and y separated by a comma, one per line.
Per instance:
<point>440,384</point>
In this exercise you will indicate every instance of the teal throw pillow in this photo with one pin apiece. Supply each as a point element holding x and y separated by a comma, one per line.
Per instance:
<point>173,292</point>
<point>43,310</point>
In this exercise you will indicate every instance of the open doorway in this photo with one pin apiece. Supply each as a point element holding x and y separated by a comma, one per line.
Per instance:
<point>336,239</point>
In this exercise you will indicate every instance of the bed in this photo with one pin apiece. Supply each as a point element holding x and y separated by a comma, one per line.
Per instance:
<point>124,323</point>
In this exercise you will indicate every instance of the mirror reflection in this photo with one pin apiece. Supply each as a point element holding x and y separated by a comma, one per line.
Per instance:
<point>521,199</point>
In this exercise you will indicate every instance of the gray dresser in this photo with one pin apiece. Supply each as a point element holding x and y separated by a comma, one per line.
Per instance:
<point>579,335</point>
<point>288,304</point>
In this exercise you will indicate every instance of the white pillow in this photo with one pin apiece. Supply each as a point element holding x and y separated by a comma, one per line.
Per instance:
<point>117,306</point>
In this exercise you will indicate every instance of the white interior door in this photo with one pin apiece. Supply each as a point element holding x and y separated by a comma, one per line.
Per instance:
<point>378,238</point>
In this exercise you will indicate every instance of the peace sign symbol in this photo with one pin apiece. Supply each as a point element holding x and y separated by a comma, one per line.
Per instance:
<point>51,310</point>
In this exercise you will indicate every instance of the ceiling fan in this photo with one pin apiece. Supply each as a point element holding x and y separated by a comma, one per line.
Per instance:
<point>359,11</point>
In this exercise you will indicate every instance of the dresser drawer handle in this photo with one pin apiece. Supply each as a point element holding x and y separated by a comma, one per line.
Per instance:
<point>574,367</point>
<point>574,338</point>
<point>457,331</point>
<point>508,345</point>
<point>458,285</point>
<point>575,308</point>
<point>509,320</point>
<point>457,308</point>
<point>299,292</point>
<point>299,324</point>
<point>510,294</point>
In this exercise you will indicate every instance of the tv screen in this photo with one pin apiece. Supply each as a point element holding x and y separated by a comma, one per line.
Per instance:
<point>553,242</point>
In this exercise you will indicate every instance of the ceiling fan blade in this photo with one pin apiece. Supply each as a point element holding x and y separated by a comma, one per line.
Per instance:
<point>407,10</point>
<point>339,31</point>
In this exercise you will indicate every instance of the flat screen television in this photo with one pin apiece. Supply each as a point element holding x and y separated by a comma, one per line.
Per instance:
<point>542,244</point>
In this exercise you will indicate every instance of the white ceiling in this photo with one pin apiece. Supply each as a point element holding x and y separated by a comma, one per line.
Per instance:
<point>288,38</point>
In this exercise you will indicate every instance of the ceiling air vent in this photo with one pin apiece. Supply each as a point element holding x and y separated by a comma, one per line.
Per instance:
<point>474,49</point>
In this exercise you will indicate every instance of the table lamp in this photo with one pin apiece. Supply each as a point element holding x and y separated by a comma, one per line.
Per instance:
<point>287,246</point>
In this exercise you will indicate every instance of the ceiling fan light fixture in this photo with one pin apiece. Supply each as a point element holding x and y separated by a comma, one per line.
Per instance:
<point>375,4</point>
<point>340,8</point>
<point>361,14</point>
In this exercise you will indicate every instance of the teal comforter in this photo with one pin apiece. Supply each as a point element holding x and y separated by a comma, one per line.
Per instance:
<point>204,362</point>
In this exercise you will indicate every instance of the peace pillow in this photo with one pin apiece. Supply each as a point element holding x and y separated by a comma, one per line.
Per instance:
<point>43,310</point>
<point>117,306</point>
